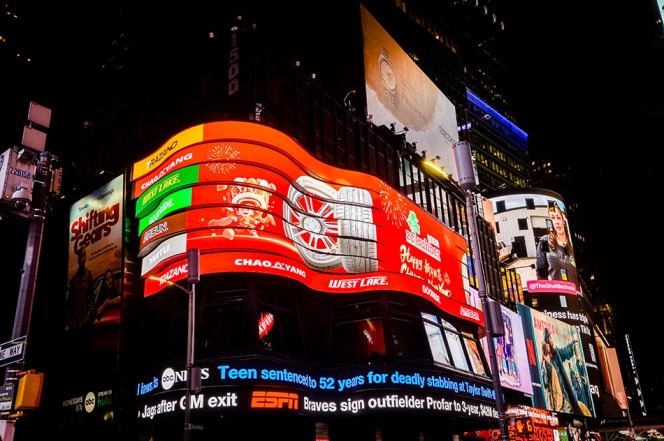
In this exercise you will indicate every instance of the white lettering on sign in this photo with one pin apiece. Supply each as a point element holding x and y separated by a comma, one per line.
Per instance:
<point>12,351</point>
<point>169,248</point>
<point>469,313</point>
<point>269,264</point>
<point>358,283</point>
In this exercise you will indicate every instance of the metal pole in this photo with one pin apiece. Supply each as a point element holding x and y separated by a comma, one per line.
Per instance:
<point>190,361</point>
<point>28,279</point>
<point>193,277</point>
<point>495,376</point>
<point>467,181</point>
<point>40,189</point>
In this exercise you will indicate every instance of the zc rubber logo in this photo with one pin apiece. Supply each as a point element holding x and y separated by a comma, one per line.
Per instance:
<point>274,400</point>
<point>89,402</point>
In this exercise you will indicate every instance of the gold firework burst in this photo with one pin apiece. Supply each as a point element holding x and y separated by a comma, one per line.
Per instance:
<point>222,153</point>
<point>394,205</point>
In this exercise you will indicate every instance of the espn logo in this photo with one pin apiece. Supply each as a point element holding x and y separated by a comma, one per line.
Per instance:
<point>274,400</point>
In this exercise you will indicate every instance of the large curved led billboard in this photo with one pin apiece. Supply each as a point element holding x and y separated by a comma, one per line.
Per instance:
<point>252,199</point>
<point>535,228</point>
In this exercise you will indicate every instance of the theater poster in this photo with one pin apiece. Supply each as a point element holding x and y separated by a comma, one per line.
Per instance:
<point>94,283</point>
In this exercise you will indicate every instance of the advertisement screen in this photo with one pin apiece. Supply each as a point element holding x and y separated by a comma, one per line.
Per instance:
<point>249,385</point>
<point>557,366</point>
<point>569,310</point>
<point>399,92</point>
<point>608,358</point>
<point>511,355</point>
<point>95,257</point>
<point>535,226</point>
<point>252,199</point>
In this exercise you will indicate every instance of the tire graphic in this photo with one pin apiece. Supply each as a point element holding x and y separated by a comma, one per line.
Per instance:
<point>313,229</point>
<point>356,220</point>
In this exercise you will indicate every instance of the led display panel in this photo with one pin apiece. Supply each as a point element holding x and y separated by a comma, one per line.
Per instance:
<point>557,367</point>
<point>511,355</point>
<point>608,358</point>
<point>399,92</point>
<point>535,227</point>
<point>251,199</point>
<point>95,257</point>
<point>568,309</point>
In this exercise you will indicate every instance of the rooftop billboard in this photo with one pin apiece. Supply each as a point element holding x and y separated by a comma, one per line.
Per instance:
<point>251,199</point>
<point>399,92</point>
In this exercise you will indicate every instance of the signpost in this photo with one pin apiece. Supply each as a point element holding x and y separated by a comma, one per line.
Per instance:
<point>12,351</point>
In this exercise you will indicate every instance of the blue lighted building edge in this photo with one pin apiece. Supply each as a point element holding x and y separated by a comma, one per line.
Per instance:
<point>488,109</point>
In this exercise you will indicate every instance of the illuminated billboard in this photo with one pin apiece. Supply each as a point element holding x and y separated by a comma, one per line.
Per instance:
<point>608,358</point>
<point>557,366</point>
<point>399,92</point>
<point>511,355</point>
<point>569,310</point>
<point>252,199</point>
<point>534,225</point>
<point>255,385</point>
<point>95,257</point>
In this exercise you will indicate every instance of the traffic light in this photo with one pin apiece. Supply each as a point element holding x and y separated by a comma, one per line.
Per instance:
<point>28,393</point>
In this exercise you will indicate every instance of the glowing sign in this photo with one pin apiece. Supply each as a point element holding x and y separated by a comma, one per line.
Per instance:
<point>252,199</point>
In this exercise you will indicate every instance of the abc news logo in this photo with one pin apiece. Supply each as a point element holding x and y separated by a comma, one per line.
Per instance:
<point>169,377</point>
<point>274,400</point>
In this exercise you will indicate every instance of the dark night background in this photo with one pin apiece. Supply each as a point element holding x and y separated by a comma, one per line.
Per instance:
<point>588,92</point>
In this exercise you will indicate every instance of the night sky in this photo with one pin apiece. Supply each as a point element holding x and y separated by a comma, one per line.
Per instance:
<point>589,93</point>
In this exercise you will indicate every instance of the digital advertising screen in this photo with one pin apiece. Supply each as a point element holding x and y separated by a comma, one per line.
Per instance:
<point>535,226</point>
<point>94,286</point>
<point>608,358</point>
<point>557,367</point>
<point>255,386</point>
<point>399,92</point>
<point>568,309</point>
<point>511,354</point>
<point>252,199</point>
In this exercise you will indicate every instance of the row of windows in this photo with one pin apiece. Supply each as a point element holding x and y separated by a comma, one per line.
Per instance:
<point>499,169</point>
<point>281,317</point>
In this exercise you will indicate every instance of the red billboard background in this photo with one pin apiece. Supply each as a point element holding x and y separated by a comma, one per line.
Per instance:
<point>262,203</point>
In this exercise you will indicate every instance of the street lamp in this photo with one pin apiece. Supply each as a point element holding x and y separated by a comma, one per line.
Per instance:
<point>466,180</point>
<point>193,277</point>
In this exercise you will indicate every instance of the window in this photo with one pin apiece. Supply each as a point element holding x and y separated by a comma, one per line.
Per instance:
<point>279,323</point>
<point>357,332</point>
<point>530,203</point>
<point>534,300</point>
<point>497,227</point>
<point>500,206</point>
<point>406,328</point>
<point>523,224</point>
<point>473,349</point>
<point>436,342</point>
<point>453,348</point>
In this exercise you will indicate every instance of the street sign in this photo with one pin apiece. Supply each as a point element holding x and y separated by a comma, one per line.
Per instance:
<point>12,351</point>
<point>6,397</point>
